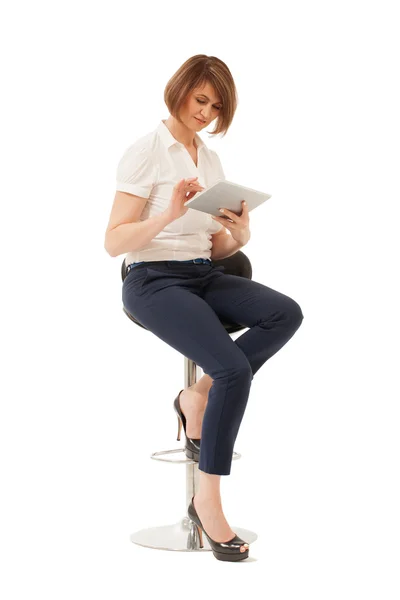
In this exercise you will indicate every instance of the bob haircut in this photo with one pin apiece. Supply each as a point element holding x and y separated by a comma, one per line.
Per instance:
<point>194,73</point>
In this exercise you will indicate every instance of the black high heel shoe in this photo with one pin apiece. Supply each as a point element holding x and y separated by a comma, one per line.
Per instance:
<point>192,446</point>
<point>229,550</point>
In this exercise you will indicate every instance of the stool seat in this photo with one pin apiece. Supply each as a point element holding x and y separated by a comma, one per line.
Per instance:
<point>183,535</point>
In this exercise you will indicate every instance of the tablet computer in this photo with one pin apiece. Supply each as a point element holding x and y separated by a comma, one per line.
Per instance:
<point>226,194</point>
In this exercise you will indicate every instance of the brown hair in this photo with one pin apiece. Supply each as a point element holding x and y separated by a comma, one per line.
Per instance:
<point>196,71</point>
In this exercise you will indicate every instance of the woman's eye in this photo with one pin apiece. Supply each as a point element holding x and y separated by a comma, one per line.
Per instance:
<point>202,102</point>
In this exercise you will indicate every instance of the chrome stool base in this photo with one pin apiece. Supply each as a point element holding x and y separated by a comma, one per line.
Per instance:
<point>182,537</point>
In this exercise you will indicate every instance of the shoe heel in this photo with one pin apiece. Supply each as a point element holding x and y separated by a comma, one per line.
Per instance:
<point>179,428</point>
<point>192,446</point>
<point>200,532</point>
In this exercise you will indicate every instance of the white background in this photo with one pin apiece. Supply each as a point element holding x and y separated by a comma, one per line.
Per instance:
<point>87,395</point>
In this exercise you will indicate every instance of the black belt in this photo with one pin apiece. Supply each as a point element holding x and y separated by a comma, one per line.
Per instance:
<point>206,261</point>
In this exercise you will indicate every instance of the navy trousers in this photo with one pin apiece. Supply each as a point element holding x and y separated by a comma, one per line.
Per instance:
<point>182,303</point>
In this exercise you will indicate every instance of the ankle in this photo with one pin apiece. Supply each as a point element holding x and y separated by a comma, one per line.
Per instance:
<point>197,387</point>
<point>208,501</point>
<point>202,386</point>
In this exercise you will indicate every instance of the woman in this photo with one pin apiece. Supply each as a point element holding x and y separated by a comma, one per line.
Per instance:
<point>174,290</point>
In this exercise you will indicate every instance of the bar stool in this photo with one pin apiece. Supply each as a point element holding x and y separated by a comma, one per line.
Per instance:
<point>183,535</point>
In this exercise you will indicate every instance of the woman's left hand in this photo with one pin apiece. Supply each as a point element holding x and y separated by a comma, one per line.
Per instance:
<point>239,224</point>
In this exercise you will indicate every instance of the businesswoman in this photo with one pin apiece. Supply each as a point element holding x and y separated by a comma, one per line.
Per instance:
<point>175,291</point>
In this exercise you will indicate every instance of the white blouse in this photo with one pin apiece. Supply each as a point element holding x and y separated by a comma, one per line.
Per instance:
<point>150,168</point>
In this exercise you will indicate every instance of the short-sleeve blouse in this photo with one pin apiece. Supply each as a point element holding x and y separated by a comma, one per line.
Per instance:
<point>150,168</point>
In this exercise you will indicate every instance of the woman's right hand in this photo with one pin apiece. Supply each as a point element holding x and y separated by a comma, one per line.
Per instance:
<point>183,191</point>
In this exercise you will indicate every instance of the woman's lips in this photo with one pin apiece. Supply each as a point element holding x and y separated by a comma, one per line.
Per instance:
<point>202,122</point>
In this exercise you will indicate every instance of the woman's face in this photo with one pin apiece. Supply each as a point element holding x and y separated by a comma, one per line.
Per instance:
<point>202,103</point>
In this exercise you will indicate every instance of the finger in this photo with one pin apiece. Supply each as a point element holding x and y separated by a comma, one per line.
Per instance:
<point>228,213</point>
<point>225,211</point>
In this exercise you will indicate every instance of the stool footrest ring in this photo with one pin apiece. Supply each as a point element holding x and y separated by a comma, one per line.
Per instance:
<point>161,453</point>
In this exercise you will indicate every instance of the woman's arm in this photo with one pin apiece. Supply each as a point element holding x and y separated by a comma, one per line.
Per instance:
<point>223,245</point>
